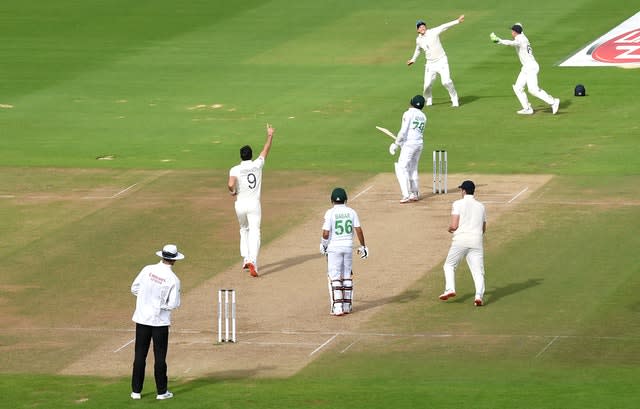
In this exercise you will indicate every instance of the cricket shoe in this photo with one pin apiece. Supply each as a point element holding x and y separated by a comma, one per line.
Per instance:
<point>136,395</point>
<point>526,111</point>
<point>446,295</point>
<point>405,199</point>
<point>455,103</point>
<point>414,197</point>
<point>429,102</point>
<point>478,302</point>
<point>555,106</point>
<point>166,395</point>
<point>252,270</point>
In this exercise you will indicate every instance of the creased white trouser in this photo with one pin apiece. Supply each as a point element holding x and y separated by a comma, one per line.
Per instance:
<point>475,261</point>
<point>407,168</point>
<point>431,70</point>
<point>529,77</point>
<point>249,215</point>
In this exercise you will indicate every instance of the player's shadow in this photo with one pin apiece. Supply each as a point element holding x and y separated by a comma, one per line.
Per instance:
<point>405,297</point>
<point>468,99</point>
<point>216,377</point>
<point>492,296</point>
<point>286,263</point>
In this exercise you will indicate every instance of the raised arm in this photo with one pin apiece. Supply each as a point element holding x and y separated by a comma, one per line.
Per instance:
<point>267,144</point>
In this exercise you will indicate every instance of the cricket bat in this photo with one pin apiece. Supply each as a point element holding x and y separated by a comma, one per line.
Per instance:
<point>386,132</point>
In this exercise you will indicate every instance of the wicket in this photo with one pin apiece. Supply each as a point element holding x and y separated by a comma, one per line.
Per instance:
<point>228,296</point>
<point>439,171</point>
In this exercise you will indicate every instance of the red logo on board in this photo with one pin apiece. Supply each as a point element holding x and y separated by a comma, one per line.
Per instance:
<point>624,48</point>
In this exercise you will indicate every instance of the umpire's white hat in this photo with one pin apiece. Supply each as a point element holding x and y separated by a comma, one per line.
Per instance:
<point>170,252</point>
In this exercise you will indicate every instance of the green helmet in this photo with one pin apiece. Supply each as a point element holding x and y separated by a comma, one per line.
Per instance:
<point>338,195</point>
<point>417,102</point>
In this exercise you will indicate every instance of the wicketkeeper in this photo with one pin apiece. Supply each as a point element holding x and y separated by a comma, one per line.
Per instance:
<point>340,222</point>
<point>528,73</point>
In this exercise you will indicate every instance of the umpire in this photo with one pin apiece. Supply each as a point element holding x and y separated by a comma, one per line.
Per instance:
<point>157,291</point>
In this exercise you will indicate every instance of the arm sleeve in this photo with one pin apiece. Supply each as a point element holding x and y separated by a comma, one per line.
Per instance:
<point>404,129</point>
<point>135,286</point>
<point>507,42</point>
<point>173,300</point>
<point>445,26</point>
<point>416,52</point>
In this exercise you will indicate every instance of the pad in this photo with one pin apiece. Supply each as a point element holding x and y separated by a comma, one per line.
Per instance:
<point>347,294</point>
<point>336,296</point>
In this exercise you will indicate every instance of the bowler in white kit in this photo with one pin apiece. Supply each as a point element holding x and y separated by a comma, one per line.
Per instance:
<point>437,63</point>
<point>245,183</point>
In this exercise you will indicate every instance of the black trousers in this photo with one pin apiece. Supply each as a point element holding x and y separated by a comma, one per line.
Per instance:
<point>144,335</point>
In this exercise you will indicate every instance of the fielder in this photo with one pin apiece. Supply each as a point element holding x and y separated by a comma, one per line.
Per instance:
<point>340,222</point>
<point>436,63</point>
<point>528,74</point>
<point>468,225</point>
<point>410,141</point>
<point>245,182</point>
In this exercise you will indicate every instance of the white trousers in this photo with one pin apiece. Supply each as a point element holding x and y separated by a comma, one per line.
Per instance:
<point>431,70</point>
<point>529,78</point>
<point>339,264</point>
<point>249,215</point>
<point>407,169</point>
<point>475,261</point>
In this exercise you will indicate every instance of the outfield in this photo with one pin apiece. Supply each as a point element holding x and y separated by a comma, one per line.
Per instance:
<point>119,121</point>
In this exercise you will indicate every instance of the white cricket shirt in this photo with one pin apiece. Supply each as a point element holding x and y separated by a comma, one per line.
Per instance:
<point>340,221</point>
<point>412,128</point>
<point>472,217</point>
<point>157,289</point>
<point>524,51</point>
<point>248,176</point>
<point>430,43</point>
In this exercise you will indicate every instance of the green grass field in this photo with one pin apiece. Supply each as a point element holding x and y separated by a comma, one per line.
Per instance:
<point>168,91</point>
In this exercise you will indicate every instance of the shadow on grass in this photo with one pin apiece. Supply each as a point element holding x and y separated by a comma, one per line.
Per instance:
<point>405,297</point>
<point>217,377</point>
<point>513,288</point>
<point>500,292</point>
<point>286,263</point>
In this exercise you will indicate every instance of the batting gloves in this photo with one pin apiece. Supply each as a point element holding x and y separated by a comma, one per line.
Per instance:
<point>363,251</point>
<point>324,243</point>
<point>493,37</point>
<point>392,148</point>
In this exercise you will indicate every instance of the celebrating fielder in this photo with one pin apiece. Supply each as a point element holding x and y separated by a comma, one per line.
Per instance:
<point>340,222</point>
<point>410,141</point>
<point>528,74</point>
<point>245,182</point>
<point>436,63</point>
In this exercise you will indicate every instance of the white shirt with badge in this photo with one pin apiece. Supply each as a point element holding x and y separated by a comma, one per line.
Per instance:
<point>524,51</point>
<point>472,218</point>
<point>340,221</point>
<point>248,176</point>
<point>157,289</point>
<point>412,128</point>
<point>430,43</point>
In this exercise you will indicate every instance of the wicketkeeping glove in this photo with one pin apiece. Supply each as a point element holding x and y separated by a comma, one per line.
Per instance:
<point>363,251</point>
<point>493,37</point>
<point>392,148</point>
